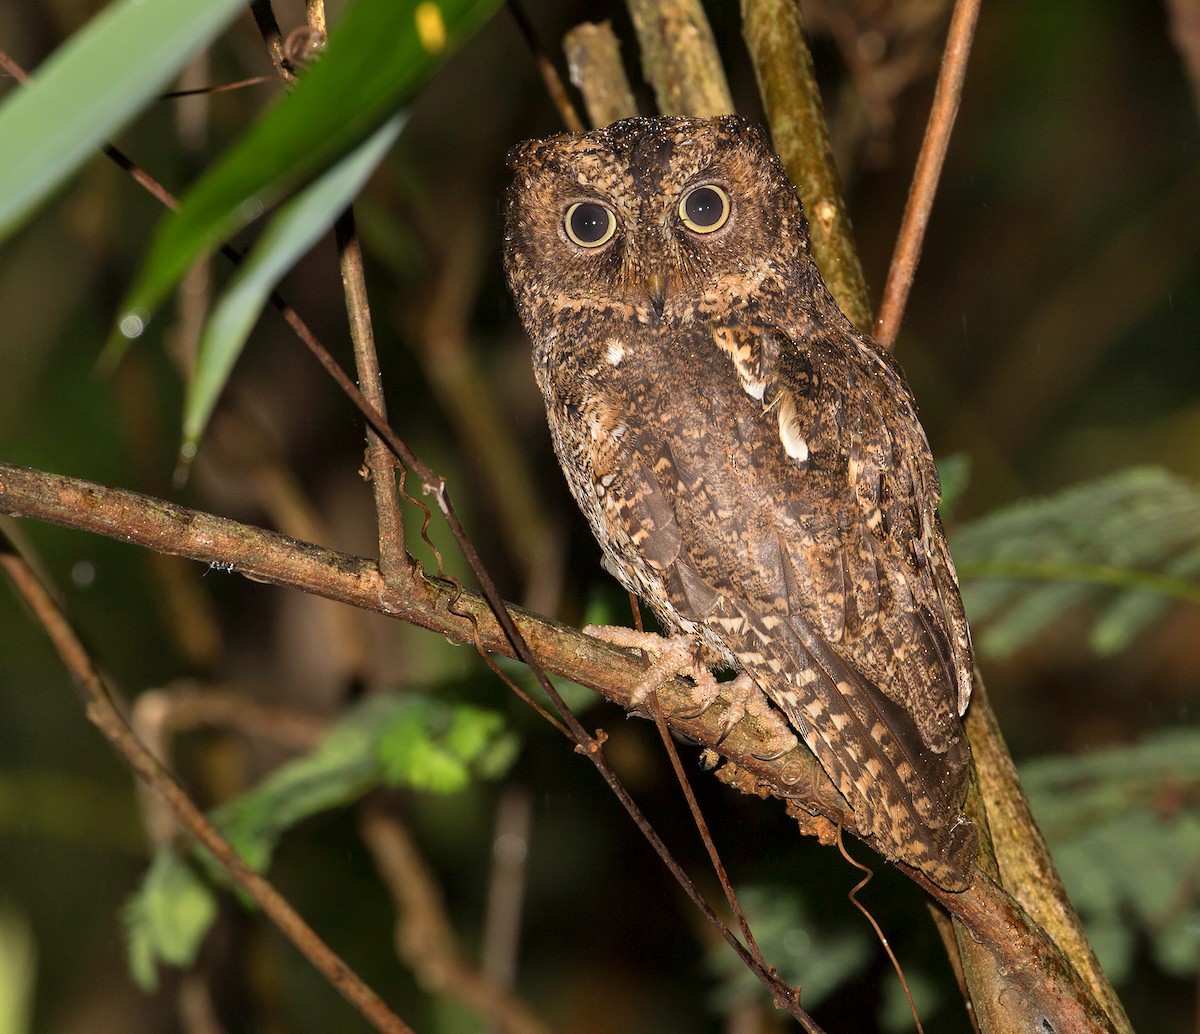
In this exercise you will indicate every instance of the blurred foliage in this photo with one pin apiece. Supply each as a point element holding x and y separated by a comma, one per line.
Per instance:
<point>803,954</point>
<point>408,740</point>
<point>18,969</point>
<point>1124,825</point>
<point>1051,339</point>
<point>1129,543</point>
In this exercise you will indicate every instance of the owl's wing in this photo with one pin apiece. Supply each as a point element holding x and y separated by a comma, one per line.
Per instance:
<point>822,566</point>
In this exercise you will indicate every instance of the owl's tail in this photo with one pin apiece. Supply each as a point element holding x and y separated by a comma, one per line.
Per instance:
<point>906,798</point>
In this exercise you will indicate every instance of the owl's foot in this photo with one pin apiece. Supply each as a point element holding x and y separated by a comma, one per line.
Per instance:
<point>678,655</point>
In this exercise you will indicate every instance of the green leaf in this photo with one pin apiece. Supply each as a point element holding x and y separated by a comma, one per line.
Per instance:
<point>377,57</point>
<point>431,748</point>
<point>168,917</point>
<point>92,86</point>
<point>338,772</point>
<point>1129,544</point>
<point>288,236</point>
<point>445,747</point>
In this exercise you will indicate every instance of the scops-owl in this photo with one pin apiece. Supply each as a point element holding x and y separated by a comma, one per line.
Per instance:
<point>751,463</point>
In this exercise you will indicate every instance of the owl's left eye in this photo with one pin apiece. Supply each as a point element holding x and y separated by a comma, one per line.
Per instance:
<point>589,224</point>
<point>704,209</point>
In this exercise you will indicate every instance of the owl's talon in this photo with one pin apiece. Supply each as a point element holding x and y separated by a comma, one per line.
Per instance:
<point>669,656</point>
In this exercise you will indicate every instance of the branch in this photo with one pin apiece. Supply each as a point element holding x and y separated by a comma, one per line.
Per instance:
<point>774,32</point>
<point>946,99</point>
<point>595,66</point>
<point>393,560</point>
<point>679,57</point>
<point>274,559</point>
<point>424,937</point>
<point>104,715</point>
<point>550,77</point>
<point>1022,857</point>
<point>1020,956</point>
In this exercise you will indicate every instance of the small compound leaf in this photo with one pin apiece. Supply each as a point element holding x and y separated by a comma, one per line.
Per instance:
<point>167,918</point>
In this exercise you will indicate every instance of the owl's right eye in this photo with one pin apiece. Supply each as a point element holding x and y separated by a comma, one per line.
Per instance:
<point>589,224</point>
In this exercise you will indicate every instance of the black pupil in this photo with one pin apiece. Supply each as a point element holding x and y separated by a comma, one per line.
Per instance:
<point>704,206</point>
<point>589,222</point>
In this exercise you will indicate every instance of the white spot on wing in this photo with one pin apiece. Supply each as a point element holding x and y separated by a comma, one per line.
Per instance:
<point>616,351</point>
<point>754,389</point>
<point>789,430</point>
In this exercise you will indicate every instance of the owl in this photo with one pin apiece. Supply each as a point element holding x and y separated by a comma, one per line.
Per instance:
<point>750,463</point>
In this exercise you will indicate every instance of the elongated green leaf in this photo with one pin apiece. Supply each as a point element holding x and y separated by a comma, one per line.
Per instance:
<point>292,231</point>
<point>90,87</point>
<point>377,57</point>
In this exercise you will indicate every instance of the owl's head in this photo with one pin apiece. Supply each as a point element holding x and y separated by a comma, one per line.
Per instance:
<point>659,219</point>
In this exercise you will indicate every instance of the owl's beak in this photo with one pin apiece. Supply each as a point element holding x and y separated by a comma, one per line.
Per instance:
<point>656,288</point>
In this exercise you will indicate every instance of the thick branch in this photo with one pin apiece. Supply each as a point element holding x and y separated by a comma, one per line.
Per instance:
<point>266,556</point>
<point>774,31</point>
<point>594,64</point>
<point>1026,962</point>
<point>679,57</point>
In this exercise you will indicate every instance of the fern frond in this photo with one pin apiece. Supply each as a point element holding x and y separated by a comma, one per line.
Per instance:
<point>1124,827</point>
<point>1129,544</point>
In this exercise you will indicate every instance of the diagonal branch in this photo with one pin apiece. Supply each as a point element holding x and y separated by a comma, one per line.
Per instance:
<point>1023,958</point>
<point>946,99</point>
<point>104,715</point>
<point>444,607</point>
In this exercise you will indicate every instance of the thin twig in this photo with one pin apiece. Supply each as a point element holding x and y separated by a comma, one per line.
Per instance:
<point>314,14</point>
<point>393,560</point>
<point>868,876</point>
<point>268,27</point>
<point>241,84</point>
<point>105,716</point>
<point>701,825</point>
<point>506,886</point>
<point>424,938</point>
<point>550,77</point>
<point>946,99</point>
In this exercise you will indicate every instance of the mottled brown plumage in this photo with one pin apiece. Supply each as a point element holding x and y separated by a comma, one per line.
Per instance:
<point>751,464</point>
